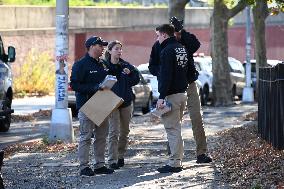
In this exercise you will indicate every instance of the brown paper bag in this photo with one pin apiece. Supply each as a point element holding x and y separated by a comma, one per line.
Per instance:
<point>101,105</point>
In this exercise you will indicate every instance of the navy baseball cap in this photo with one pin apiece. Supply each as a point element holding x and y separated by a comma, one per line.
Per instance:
<point>95,40</point>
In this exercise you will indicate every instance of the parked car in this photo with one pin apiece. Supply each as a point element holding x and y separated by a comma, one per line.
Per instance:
<point>237,76</point>
<point>6,91</point>
<point>152,80</point>
<point>142,99</point>
<point>149,78</point>
<point>253,70</point>
<point>203,65</point>
<point>143,96</point>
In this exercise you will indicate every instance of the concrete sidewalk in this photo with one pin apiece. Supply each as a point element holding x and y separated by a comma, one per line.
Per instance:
<point>147,152</point>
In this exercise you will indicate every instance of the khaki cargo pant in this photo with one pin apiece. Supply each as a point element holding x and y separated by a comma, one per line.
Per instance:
<point>172,123</point>
<point>87,128</point>
<point>196,116</point>
<point>118,133</point>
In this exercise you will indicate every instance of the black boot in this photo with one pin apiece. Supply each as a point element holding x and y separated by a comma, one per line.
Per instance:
<point>120,162</point>
<point>203,159</point>
<point>87,172</point>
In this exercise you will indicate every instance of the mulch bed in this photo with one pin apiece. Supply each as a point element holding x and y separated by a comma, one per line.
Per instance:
<point>246,160</point>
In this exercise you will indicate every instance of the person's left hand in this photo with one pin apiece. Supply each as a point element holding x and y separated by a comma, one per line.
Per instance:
<point>178,24</point>
<point>126,70</point>
<point>160,104</point>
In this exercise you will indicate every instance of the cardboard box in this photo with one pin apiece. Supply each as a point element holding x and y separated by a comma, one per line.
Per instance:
<point>101,105</point>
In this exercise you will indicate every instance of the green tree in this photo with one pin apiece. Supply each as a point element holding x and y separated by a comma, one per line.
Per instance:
<point>260,13</point>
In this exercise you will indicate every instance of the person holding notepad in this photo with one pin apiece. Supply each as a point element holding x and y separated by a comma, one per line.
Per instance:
<point>86,76</point>
<point>127,76</point>
<point>172,82</point>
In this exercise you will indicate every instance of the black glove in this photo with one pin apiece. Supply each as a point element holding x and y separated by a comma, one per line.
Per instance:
<point>178,24</point>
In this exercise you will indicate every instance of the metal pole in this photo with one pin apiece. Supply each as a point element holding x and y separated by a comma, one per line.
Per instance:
<point>61,120</point>
<point>248,90</point>
<point>248,47</point>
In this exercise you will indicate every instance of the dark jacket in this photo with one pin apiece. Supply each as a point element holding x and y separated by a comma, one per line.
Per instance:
<point>87,73</point>
<point>174,68</point>
<point>123,86</point>
<point>191,44</point>
<point>154,61</point>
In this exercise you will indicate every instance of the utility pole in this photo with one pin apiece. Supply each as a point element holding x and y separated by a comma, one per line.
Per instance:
<point>248,90</point>
<point>61,120</point>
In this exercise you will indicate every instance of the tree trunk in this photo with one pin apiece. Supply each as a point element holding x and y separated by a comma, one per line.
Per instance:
<point>177,8</point>
<point>222,91</point>
<point>260,13</point>
<point>222,86</point>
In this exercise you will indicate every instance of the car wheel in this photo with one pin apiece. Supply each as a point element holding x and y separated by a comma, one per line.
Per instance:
<point>206,94</point>
<point>6,121</point>
<point>234,92</point>
<point>147,109</point>
<point>203,96</point>
<point>74,111</point>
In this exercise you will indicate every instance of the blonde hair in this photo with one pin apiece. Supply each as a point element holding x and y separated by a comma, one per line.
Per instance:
<point>109,48</point>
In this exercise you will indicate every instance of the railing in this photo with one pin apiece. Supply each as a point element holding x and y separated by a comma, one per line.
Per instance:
<point>271,105</point>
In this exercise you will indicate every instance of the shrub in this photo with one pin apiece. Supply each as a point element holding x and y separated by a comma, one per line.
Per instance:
<point>36,75</point>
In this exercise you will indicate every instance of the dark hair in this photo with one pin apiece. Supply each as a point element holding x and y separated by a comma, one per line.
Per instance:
<point>109,48</point>
<point>169,29</point>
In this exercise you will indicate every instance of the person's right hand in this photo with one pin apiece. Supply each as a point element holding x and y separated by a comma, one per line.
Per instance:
<point>160,104</point>
<point>103,87</point>
<point>178,24</point>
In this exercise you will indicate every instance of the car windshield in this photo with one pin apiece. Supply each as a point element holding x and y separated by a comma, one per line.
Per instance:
<point>204,62</point>
<point>236,65</point>
<point>208,65</point>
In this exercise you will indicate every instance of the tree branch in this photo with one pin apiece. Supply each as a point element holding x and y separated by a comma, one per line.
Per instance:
<point>238,8</point>
<point>176,8</point>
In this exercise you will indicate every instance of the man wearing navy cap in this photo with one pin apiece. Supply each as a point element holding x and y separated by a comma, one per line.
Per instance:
<point>86,76</point>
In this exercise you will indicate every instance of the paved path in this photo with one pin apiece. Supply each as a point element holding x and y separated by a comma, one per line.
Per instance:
<point>27,105</point>
<point>147,151</point>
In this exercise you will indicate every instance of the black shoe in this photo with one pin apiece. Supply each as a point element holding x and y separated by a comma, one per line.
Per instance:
<point>203,159</point>
<point>120,162</point>
<point>87,172</point>
<point>103,170</point>
<point>169,169</point>
<point>113,166</point>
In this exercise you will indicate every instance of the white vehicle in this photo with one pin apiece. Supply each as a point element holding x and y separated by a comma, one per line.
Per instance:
<point>203,65</point>
<point>149,78</point>
<point>253,70</point>
<point>237,76</point>
<point>152,80</point>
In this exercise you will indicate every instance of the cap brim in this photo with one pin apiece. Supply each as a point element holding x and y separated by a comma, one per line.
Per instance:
<point>104,43</point>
